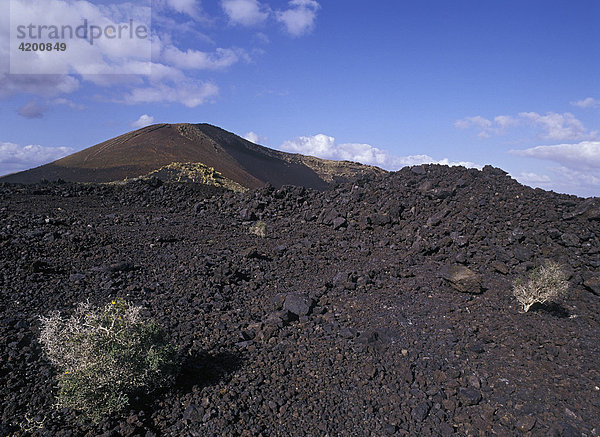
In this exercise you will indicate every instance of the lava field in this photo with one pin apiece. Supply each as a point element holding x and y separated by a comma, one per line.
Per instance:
<point>342,320</point>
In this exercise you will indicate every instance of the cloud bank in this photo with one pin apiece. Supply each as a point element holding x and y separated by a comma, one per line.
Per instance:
<point>326,147</point>
<point>588,102</point>
<point>578,170</point>
<point>297,19</point>
<point>187,93</point>
<point>152,70</point>
<point>581,156</point>
<point>575,157</point>
<point>14,157</point>
<point>550,126</point>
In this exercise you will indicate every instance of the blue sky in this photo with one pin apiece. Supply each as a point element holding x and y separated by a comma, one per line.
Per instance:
<point>513,84</point>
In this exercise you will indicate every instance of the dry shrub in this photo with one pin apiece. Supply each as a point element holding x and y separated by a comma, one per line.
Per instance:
<point>546,284</point>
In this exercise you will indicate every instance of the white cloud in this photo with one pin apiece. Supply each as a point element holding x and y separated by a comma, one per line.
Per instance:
<point>14,157</point>
<point>32,110</point>
<point>261,38</point>
<point>326,147</point>
<point>143,121</point>
<point>187,93</point>
<point>163,72</point>
<point>450,163</point>
<point>127,68</point>
<point>578,173</point>
<point>319,145</point>
<point>245,12</point>
<point>584,155</point>
<point>573,181</point>
<point>479,122</point>
<point>198,60</point>
<point>589,102</point>
<point>71,104</point>
<point>563,180</point>
<point>533,179</point>
<point>41,85</point>
<point>189,7</point>
<point>553,126</point>
<point>255,138</point>
<point>558,127</point>
<point>135,71</point>
<point>98,54</point>
<point>505,121</point>
<point>300,18</point>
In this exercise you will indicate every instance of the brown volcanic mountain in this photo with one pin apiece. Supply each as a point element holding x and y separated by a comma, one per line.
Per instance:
<point>149,149</point>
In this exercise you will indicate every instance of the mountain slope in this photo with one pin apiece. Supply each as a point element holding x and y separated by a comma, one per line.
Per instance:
<point>149,149</point>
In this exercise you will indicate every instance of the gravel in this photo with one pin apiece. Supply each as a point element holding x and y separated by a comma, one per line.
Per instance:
<point>382,306</point>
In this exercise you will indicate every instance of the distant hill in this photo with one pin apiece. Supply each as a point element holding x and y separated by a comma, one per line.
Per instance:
<point>150,149</point>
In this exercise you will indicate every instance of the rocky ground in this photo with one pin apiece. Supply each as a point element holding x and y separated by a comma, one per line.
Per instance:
<point>342,320</point>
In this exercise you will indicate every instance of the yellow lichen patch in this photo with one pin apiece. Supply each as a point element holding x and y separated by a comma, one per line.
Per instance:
<point>195,172</point>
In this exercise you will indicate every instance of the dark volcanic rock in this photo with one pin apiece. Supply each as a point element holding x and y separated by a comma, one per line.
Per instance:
<point>526,423</point>
<point>338,222</point>
<point>462,279</point>
<point>592,283</point>
<point>314,330</point>
<point>469,396</point>
<point>298,304</point>
<point>420,412</point>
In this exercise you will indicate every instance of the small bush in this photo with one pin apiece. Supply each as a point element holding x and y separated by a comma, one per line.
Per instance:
<point>105,356</point>
<point>545,284</point>
<point>259,228</point>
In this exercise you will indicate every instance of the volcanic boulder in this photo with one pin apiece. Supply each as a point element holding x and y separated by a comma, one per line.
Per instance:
<point>462,279</point>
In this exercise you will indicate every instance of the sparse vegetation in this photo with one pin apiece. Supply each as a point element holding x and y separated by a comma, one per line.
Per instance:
<point>546,283</point>
<point>105,356</point>
<point>31,424</point>
<point>259,228</point>
<point>195,172</point>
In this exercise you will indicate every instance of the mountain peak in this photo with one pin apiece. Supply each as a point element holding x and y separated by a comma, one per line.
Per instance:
<point>155,147</point>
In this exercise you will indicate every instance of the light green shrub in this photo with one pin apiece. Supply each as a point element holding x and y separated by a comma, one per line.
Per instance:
<point>105,356</point>
<point>546,283</point>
